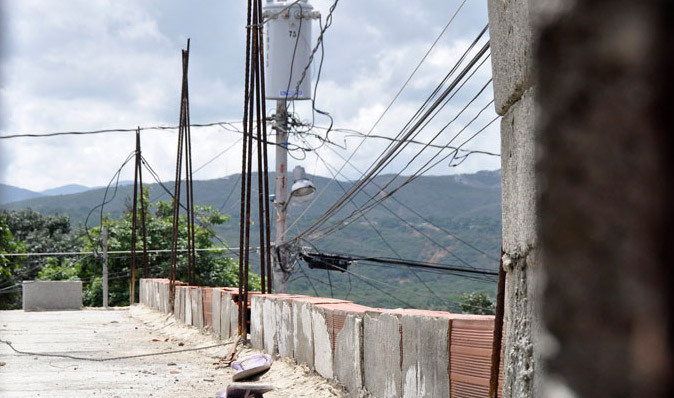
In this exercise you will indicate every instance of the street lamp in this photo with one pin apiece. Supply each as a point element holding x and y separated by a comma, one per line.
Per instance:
<point>303,190</point>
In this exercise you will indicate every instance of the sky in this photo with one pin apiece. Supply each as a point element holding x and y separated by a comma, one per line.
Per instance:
<point>81,65</point>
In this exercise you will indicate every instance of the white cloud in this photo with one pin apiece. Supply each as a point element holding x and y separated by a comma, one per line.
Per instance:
<point>93,64</point>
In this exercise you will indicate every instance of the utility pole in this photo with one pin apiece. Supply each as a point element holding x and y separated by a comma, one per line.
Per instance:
<point>280,279</point>
<point>104,238</point>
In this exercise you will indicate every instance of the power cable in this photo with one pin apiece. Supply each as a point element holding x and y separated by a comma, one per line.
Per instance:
<point>355,215</point>
<point>106,131</point>
<point>395,98</point>
<point>390,152</point>
<point>410,225</point>
<point>381,236</point>
<point>68,356</point>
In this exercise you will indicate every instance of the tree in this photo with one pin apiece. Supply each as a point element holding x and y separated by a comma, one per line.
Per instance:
<point>477,303</point>
<point>9,295</point>
<point>41,233</point>
<point>213,268</point>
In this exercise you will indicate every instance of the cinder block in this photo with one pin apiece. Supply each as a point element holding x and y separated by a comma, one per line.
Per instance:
<point>510,34</point>
<point>382,354</point>
<point>518,176</point>
<point>188,306</point>
<point>200,309</point>
<point>348,355</point>
<point>207,304</point>
<point>156,296</point>
<point>284,324</point>
<point>303,342</point>
<point>257,312</point>
<point>177,313</point>
<point>328,322</point>
<point>141,291</point>
<point>184,303</point>
<point>323,336</point>
<point>425,367</point>
<point>153,293</point>
<point>234,318</point>
<point>52,295</point>
<point>225,308</point>
<point>270,325</point>
<point>216,302</point>
<point>194,293</point>
<point>163,290</point>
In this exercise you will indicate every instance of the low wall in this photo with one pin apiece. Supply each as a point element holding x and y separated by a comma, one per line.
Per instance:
<point>52,295</point>
<point>389,353</point>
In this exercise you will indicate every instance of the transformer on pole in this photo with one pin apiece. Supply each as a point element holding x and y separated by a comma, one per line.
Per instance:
<point>288,47</point>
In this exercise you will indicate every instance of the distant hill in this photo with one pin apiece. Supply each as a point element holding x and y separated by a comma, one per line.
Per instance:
<point>458,223</point>
<point>65,190</point>
<point>10,193</point>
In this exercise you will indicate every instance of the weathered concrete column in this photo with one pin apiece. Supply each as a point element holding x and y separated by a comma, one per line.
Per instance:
<point>607,197</point>
<point>511,34</point>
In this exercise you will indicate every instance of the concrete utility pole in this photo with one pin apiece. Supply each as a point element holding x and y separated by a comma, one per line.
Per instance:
<point>280,280</point>
<point>104,238</point>
<point>511,26</point>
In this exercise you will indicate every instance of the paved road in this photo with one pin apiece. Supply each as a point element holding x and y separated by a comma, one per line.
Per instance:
<point>99,334</point>
<point>138,330</point>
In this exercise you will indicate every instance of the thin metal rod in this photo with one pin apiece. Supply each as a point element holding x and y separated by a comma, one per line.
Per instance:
<point>243,244</point>
<point>134,224</point>
<point>104,237</point>
<point>260,167</point>
<point>146,271</point>
<point>176,195</point>
<point>266,246</point>
<point>189,185</point>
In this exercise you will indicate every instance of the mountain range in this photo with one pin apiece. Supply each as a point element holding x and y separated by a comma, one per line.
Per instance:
<point>453,220</point>
<point>10,193</point>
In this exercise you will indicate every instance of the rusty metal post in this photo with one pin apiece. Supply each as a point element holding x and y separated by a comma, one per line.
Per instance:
<point>134,223</point>
<point>104,242</point>
<point>498,331</point>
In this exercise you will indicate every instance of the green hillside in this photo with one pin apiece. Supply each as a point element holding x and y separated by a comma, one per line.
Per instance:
<point>454,209</point>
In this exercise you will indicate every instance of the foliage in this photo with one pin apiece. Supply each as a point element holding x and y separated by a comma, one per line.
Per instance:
<point>212,268</point>
<point>41,233</point>
<point>54,271</point>
<point>477,303</point>
<point>9,265</point>
<point>33,232</point>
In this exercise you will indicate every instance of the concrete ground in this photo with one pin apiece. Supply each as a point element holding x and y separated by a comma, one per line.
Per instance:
<point>102,334</point>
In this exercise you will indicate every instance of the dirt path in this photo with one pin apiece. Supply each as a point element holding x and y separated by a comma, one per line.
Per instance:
<point>121,332</point>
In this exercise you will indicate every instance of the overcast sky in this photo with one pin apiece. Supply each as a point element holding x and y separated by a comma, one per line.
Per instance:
<point>78,65</point>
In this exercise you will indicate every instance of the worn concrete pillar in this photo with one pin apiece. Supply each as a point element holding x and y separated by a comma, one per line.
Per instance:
<point>607,193</point>
<point>511,33</point>
<point>382,354</point>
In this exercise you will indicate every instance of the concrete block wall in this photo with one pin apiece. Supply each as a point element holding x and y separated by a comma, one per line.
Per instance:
<point>52,295</point>
<point>382,355</point>
<point>389,353</point>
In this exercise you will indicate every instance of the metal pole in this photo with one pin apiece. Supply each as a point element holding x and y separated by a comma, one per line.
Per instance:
<point>281,178</point>
<point>104,238</point>
<point>498,332</point>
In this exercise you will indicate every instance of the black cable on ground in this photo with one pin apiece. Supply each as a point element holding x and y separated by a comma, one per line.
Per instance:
<point>42,354</point>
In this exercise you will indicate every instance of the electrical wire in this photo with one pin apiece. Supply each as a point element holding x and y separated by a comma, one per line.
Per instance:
<point>68,356</point>
<point>392,150</point>
<point>316,231</point>
<point>106,131</point>
<point>395,98</point>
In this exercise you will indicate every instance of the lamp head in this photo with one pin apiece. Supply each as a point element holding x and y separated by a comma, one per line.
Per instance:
<point>303,189</point>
